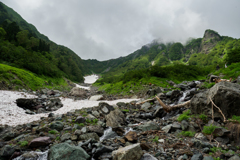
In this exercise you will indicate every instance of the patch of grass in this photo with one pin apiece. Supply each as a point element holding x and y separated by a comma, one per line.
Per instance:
<point>53,132</point>
<point>81,124</point>
<point>17,82</point>
<point>23,143</point>
<point>57,138</point>
<point>235,118</point>
<point>184,116</point>
<point>156,139</point>
<point>125,110</point>
<point>93,122</point>
<point>187,133</point>
<point>208,85</point>
<point>203,117</point>
<point>209,129</point>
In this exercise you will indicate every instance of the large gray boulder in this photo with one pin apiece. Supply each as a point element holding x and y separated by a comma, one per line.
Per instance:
<point>78,92</point>
<point>225,95</point>
<point>131,152</point>
<point>115,119</point>
<point>65,151</point>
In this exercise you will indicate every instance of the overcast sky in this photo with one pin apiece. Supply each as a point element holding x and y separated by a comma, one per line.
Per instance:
<point>106,29</point>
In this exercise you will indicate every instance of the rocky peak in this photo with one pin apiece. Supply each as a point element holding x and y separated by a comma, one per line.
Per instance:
<point>209,40</point>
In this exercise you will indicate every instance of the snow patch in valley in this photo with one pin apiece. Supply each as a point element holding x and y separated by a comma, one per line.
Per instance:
<point>12,115</point>
<point>90,79</point>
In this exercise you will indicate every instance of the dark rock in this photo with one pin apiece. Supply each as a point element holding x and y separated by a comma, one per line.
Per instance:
<point>105,108</point>
<point>56,125</point>
<point>148,126</point>
<point>224,94</point>
<point>97,129</point>
<point>7,151</point>
<point>159,112</point>
<point>41,141</point>
<point>80,119</point>
<point>121,104</point>
<point>109,133</point>
<point>219,132</point>
<point>65,151</point>
<point>120,131</point>
<point>65,137</point>
<point>224,140</point>
<point>197,157</point>
<point>101,150</point>
<point>208,158</point>
<point>27,103</point>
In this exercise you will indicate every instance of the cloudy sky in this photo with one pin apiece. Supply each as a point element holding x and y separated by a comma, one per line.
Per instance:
<point>106,29</point>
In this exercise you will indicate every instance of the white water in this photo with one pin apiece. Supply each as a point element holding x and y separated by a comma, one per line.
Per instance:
<point>35,156</point>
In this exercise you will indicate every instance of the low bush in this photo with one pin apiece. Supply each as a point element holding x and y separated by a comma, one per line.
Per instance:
<point>184,116</point>
<point>209,129</point>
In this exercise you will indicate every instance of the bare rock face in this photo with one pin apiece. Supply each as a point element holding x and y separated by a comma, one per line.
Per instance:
<point>78,92</point>
<point>115,119</point>
<point>209,40</point>
<point>225,95</point>
<point>131,152</point>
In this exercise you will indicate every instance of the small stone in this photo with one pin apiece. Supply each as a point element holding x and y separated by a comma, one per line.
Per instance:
<point>131,136</point>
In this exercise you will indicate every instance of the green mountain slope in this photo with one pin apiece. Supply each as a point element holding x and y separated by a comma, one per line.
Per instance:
<point>63,60</point>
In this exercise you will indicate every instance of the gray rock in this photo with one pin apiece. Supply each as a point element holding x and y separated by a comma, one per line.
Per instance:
<point>97,129</point>
<point>101,150</point>
<point>197,157</point>
<point>7,151</point>
<point>65,151</point>
<point>148,126</point>
<point>208,158</point>
<point>95,113</point>
<point>147,156</point>
<point>65,137</point>
<point>184,125</point>
<point>56,125</point>
<point>168,94</point>
<point>88,136</point>
<point>121,104</point>
<point>235,157</point>
<point>105,108</point>
<point>78,92</point>
<point>43,96</point>
<point>80,119</point>
<point>115,119</point>
<point>145,106</point>
<point>109,133</point>
<point>96,98</point>
<point>176,126</point>
<point>224,94</point>
<point>131,152</point>
<point>224,140</point>
<point>238,79</point>
<point>167,128</point>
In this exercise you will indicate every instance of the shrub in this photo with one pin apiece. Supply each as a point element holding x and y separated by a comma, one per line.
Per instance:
<point>209,129</point>
<point>203,117</point>
<point>187,133</point>
<point>23,143</point>
<point>236,118</point>
<point>184,116</point>
<point>81,124</point>
<point>156,139</point>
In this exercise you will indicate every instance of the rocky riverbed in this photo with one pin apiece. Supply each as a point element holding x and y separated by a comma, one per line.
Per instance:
<point>130,130</point>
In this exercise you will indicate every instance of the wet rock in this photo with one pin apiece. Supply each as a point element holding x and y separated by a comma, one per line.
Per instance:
<point>105,108</point>
<point>148,126</point>
<point>65,151</point>
<point>131,152</point>
<point>56,125</point>
<point>40,141</point>
<point>27,103</point>
<point>88,136</point>
<point>131,136</point>
<point>109,133</point>
<point>80,119</point>
<point>101,150</point>
<point>147,156</point>
<point>115,119</point>
<point>65,137</point>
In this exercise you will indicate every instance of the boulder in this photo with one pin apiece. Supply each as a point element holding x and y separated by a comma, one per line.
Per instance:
<point>78,92</point>
<point>97,129</point>
<point>105,108</point>
<point>40,141</point>
<point>56,125</point>
<point>145,106</point>
<point>131,152</point>
<point>88,136</point>
<point>225,95</point>
<point>96,98</point>
<point>65,151</point>
<point>27,103</point>
<point>148,156</point>
<point>7,151</point>
<point>148,126</point>
<point>65,137</point>
<point>80,119</point>
<point>115,119</point>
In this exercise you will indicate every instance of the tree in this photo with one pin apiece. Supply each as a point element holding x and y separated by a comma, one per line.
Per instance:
<point>22,37</point>
<point>233,56</point>
<point>2,32</point>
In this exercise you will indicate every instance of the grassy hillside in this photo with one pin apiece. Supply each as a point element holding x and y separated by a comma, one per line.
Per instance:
<point>16,78</point>
<point>19,33</point>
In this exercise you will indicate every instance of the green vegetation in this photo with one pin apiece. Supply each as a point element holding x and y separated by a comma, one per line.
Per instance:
<point>156,139</point>
<point>125,110</point>
<point>208,85</point>
<point>203,117</point>
<point>23,143</point>
<point>93,122</point>
<point>27,79</point>
<point>187,133</point>
<point>209,129</point>
<point>53,132</point>
<point>184,116</point>
<point>235,118</point>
